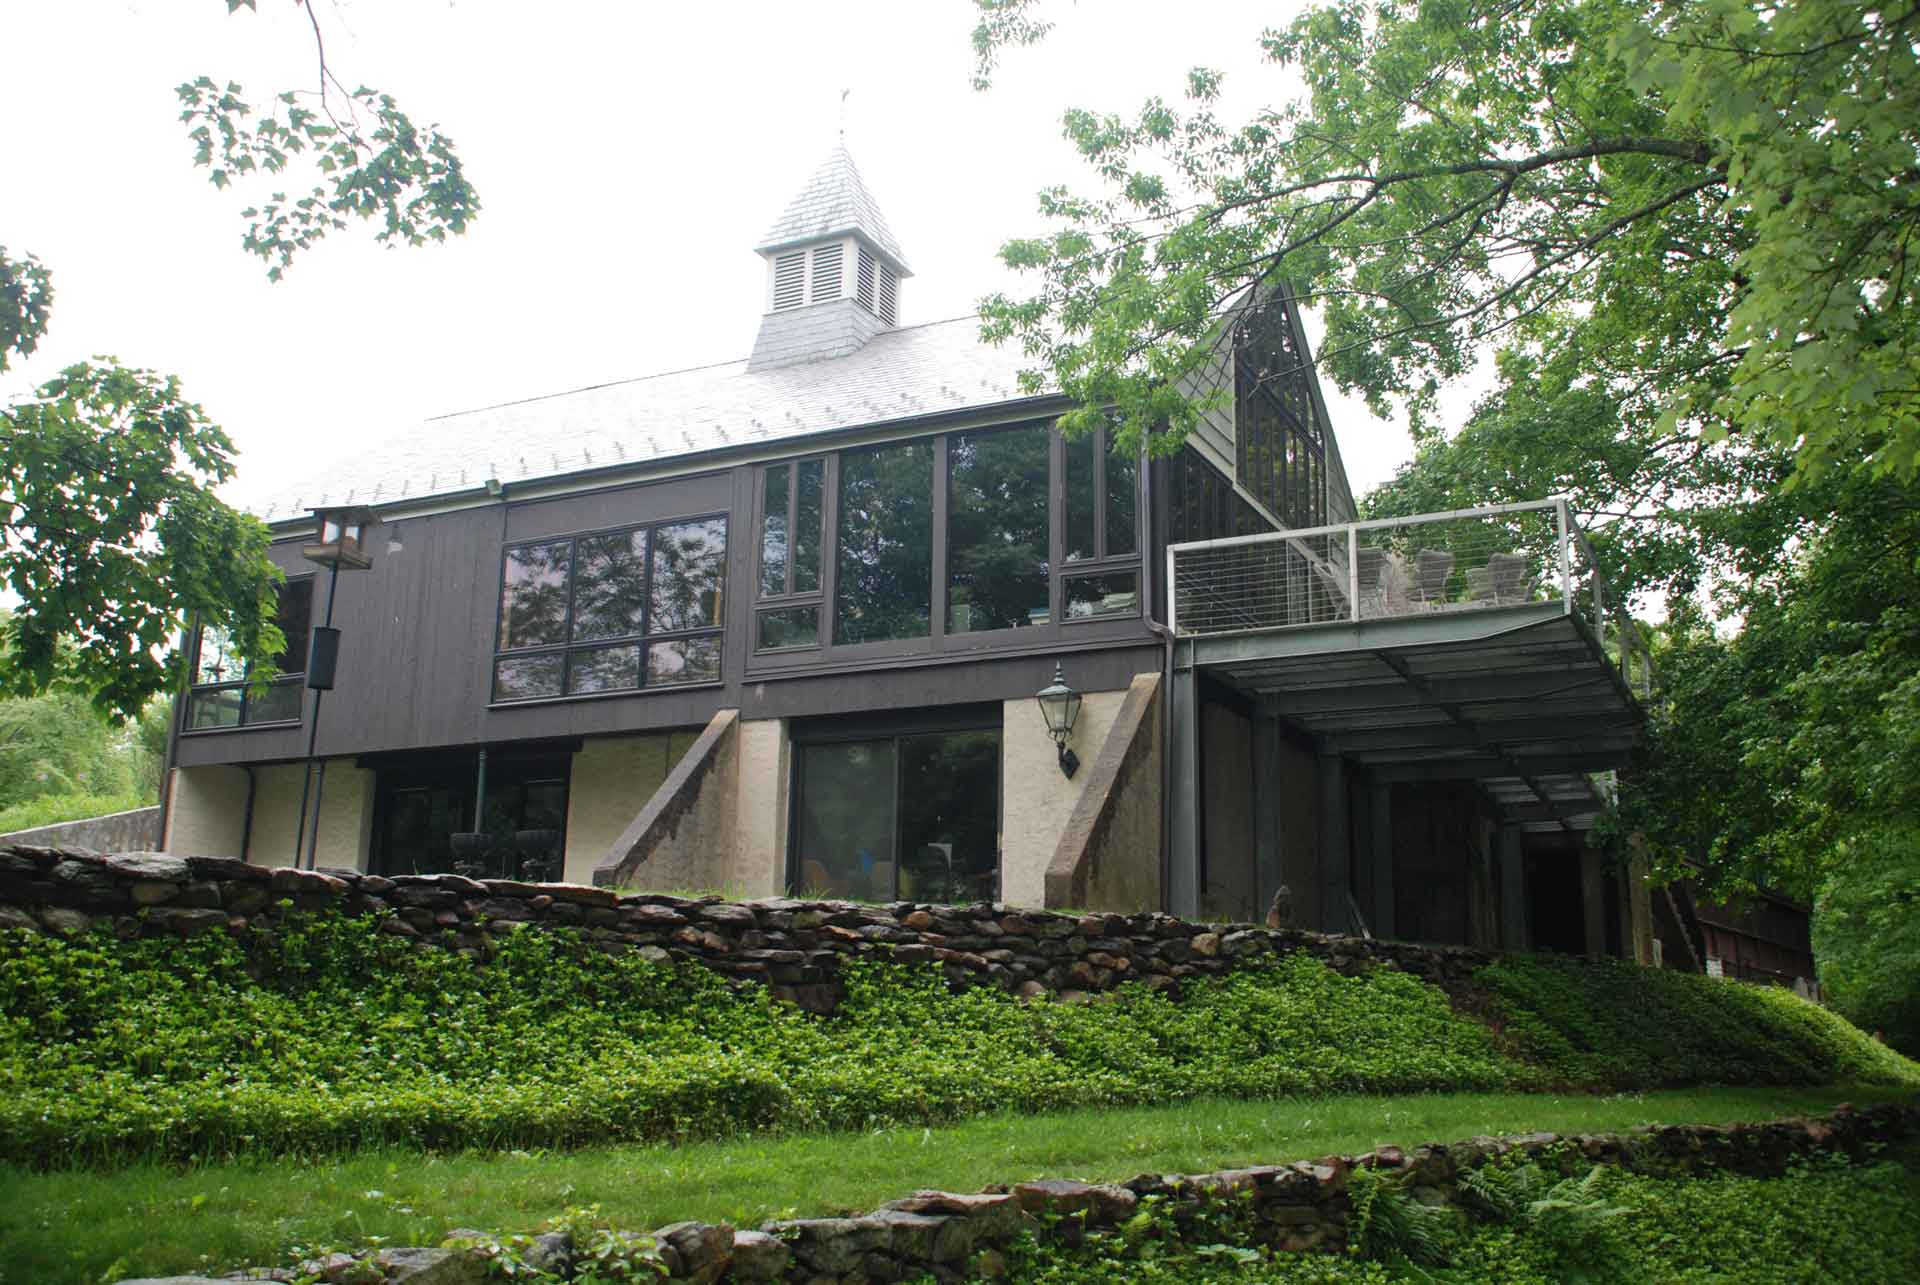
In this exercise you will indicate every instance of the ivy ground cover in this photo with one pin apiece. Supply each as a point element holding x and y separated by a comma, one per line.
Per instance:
<point>329,1036</point>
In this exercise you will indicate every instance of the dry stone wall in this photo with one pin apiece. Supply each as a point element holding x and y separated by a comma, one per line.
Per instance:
<point>1299,1207</point>
<point>796,947</point>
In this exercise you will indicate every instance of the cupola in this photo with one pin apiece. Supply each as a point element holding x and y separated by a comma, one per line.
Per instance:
<point>833,271</point>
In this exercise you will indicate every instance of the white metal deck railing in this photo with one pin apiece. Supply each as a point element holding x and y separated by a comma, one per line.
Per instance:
<point>1483,559</point>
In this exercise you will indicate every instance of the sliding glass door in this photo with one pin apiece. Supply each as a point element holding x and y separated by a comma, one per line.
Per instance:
<point>912,817</point>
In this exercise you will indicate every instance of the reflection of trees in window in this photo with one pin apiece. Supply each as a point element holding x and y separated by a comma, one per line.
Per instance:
<point>610,586</point>
<point>689,562</point>
<point>776,501</point>
<point>884,566</point>
<point>648,598</point>
<point>1102,499</point>
<point>809,515</point>
<point>220,698</point>
<point>792,515</point>
<point>1281,441</point>
<point>997,530</point>
<point>533,597</point>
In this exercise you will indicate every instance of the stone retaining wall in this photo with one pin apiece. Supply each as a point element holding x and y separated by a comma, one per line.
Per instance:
<point>794,946</point>
<point>1298,1207</point>
<point>114,832</point>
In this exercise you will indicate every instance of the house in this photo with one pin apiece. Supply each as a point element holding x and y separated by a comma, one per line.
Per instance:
<point>779,625</point>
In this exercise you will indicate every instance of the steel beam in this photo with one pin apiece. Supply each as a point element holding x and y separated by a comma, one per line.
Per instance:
<point>1515,931</point>
<point>1183,865</point>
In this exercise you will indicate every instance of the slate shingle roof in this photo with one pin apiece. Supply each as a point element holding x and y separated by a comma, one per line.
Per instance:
<point>899,374</point>
<point>835,200</point>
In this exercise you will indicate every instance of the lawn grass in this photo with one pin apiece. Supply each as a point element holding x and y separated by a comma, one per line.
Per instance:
<point>85,1225</point>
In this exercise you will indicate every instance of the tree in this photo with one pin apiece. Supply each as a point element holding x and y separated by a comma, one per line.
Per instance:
<point>111,535</point>
<point>1711,197</point>
<point>1683,233</point>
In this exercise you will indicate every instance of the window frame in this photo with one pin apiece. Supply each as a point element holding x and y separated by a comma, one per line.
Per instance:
<point>831,653</point>
<point>1104,561</point>
<point>893,727</point>
<point>642,640</point>
<point>286,678</point>
<point>789,598</point>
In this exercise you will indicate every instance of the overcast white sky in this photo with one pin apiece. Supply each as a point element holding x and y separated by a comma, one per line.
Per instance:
<point>628,157</point>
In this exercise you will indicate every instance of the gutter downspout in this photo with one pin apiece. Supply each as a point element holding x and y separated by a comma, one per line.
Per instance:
<point>1166,715</point>
<point>246,816</point>
<point>176,715</point>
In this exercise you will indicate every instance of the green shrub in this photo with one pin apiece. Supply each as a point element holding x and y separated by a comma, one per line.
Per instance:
<point>330,1034</point>
<point>1615,1024</point>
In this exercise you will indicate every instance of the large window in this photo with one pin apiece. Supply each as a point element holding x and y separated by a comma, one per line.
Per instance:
<point>422,801</point>
<point>220,697</point>
<point>884,562</point>
<point>792,527</point>
<point>612,611</point>
<point>1281,441</point>
<point>1102,488</point>
<point>997,530</point>
<point>951,542</point>
<point>886,818</point>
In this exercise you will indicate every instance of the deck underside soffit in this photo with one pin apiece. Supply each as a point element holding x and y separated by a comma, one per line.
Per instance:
<point>1522,701</point>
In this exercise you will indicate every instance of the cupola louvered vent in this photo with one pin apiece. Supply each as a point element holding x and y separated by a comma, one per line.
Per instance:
<point>789,280</point>
<point>863,282</point>
<point>826,272</point>
<point>889,295</point>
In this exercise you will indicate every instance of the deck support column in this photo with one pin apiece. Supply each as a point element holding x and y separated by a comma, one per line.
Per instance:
<point>1593,902</point>
<point>1514,934</point>
<point>1335,849</point>
<point>1266,810</point>
<point>1379,854</point>
<point>1183,808</point>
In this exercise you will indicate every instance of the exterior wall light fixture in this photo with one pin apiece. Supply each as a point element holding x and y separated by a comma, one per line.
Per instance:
<point>1060,706</point>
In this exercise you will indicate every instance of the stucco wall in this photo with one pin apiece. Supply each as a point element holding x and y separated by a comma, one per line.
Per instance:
<point>346,817</point>
<point>1036,798</point>
<point>1125,860</point>
<point>760,837</point>
<point>208,813</point>
<point>613,777</point>
<point>276,810</point>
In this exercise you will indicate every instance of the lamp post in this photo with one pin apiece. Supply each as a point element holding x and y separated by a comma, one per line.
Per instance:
<point>1060,707</point>
<point>340,542</point>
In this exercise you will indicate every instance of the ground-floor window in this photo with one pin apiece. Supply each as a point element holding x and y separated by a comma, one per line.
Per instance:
<point>420,805</point>
<point>908,815</point>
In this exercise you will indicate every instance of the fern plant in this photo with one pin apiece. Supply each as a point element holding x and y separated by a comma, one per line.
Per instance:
<point>1570,1216</point>
<point>1389,1225</point>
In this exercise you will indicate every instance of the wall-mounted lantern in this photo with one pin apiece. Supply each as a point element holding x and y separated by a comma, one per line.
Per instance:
<point>341,538</point>
<point>1060,706</point>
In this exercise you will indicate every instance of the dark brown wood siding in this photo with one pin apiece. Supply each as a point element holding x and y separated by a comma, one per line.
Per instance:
<point>418,633</point>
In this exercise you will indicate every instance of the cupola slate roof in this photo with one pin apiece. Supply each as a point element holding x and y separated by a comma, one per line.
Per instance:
<point>835,201</point>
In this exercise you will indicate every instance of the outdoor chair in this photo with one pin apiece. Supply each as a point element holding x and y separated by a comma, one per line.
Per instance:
<point>1373,563</point>
<point>1508,573</point>
<point>1431,567</point>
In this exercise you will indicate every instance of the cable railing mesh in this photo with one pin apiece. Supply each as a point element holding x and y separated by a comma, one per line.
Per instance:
<point>1472,560</point>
